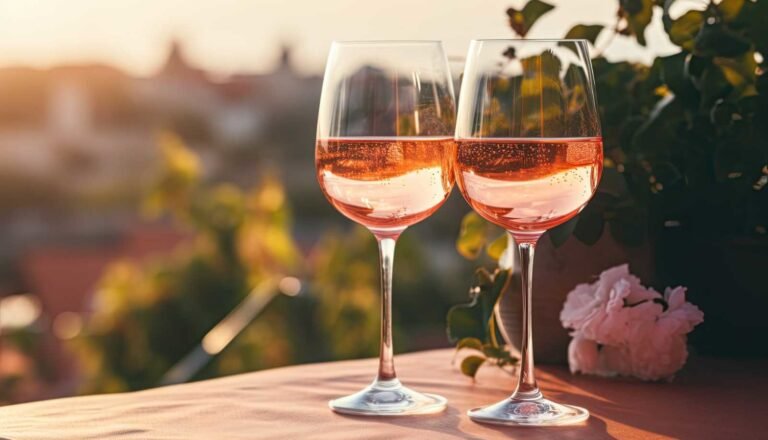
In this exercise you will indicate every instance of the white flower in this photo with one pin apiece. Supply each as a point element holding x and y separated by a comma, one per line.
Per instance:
<point>622,328</point>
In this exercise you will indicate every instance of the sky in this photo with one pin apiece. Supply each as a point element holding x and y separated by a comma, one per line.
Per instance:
<point>226,36</point>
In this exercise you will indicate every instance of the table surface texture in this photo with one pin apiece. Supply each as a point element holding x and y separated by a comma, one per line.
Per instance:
<point>710,398</point>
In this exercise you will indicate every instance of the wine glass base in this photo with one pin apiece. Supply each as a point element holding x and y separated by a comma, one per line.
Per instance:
<point>533,413</point>
<point>388,398</point>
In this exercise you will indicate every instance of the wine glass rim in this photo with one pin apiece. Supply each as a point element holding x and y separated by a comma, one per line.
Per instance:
<point>386,42</point>
<point>532,40</point>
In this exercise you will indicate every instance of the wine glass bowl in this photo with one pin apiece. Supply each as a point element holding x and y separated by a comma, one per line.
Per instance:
<point>384,158</point>
<point>385,127</point>
<point>372,180</point>
<point>529,157</point>
<point>532,184</point>
<point>529,147</point>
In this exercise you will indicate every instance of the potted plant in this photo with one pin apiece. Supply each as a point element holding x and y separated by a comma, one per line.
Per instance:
<point>683,196</point>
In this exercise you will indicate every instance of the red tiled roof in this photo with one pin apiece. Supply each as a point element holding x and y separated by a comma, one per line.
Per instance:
<point>63,277</point>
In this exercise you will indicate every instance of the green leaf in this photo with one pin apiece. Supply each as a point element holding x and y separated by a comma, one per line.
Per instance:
<point>534,9</point>
<point>684,30</point>
<point>740,73</point>
<point>497,247</point>
<point>717,40</point>
<point>465,321</point>
<point>713,85</point>
<point>471,236</point>
<point>492,352</point>
<point>658,132</point>
<point>666,19</point>
<point>722,112</point>
<point>559,234</point>
<point>506,358</point>
<point>694,65</point>
<point>522,21</point>
<point>756,13</point>
<point>471,320</point>
<point>588,32</point>
<point>472,343</point>
<point>638,14</point>
<point>502,357</point>
<point>492,292</point>
<point>673,72</point>
<point>471,364</point>
<point>730,9</point>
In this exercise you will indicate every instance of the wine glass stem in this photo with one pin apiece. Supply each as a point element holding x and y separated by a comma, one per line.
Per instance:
<point>527,388</point>
<point>386,357</point>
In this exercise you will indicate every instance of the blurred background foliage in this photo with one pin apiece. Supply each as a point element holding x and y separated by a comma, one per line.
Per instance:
<point>124,250</point>
<point>148,316</point>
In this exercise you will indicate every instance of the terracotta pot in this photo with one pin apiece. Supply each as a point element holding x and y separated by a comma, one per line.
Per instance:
<point>556,272</point>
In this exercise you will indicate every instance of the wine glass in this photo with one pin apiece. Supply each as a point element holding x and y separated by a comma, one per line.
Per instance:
<point>529,157</point>
<point>384,159</point>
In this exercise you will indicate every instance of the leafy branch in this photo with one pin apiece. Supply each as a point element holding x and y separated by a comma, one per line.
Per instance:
<point>684,144</point>
<point>473,326</point>
<point>521,21</point>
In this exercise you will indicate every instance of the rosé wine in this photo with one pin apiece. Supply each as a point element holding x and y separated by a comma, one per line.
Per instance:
<point>386,183</point>
<point>528,184</point>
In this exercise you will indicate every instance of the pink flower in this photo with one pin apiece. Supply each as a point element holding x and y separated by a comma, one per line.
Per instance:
<point>615,361</point>
<point>658,348</point>
<point>587,357</point>
<point>599,310</point>
<point>682,315</point>
<point>583,355</point>
<point>622,328</point>
<point>657,356</point>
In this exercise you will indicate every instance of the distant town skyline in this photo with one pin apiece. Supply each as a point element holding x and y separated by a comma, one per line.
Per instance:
<point>227,36</point>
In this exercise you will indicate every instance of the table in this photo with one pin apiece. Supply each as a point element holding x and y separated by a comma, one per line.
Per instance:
<point>711,398</point>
